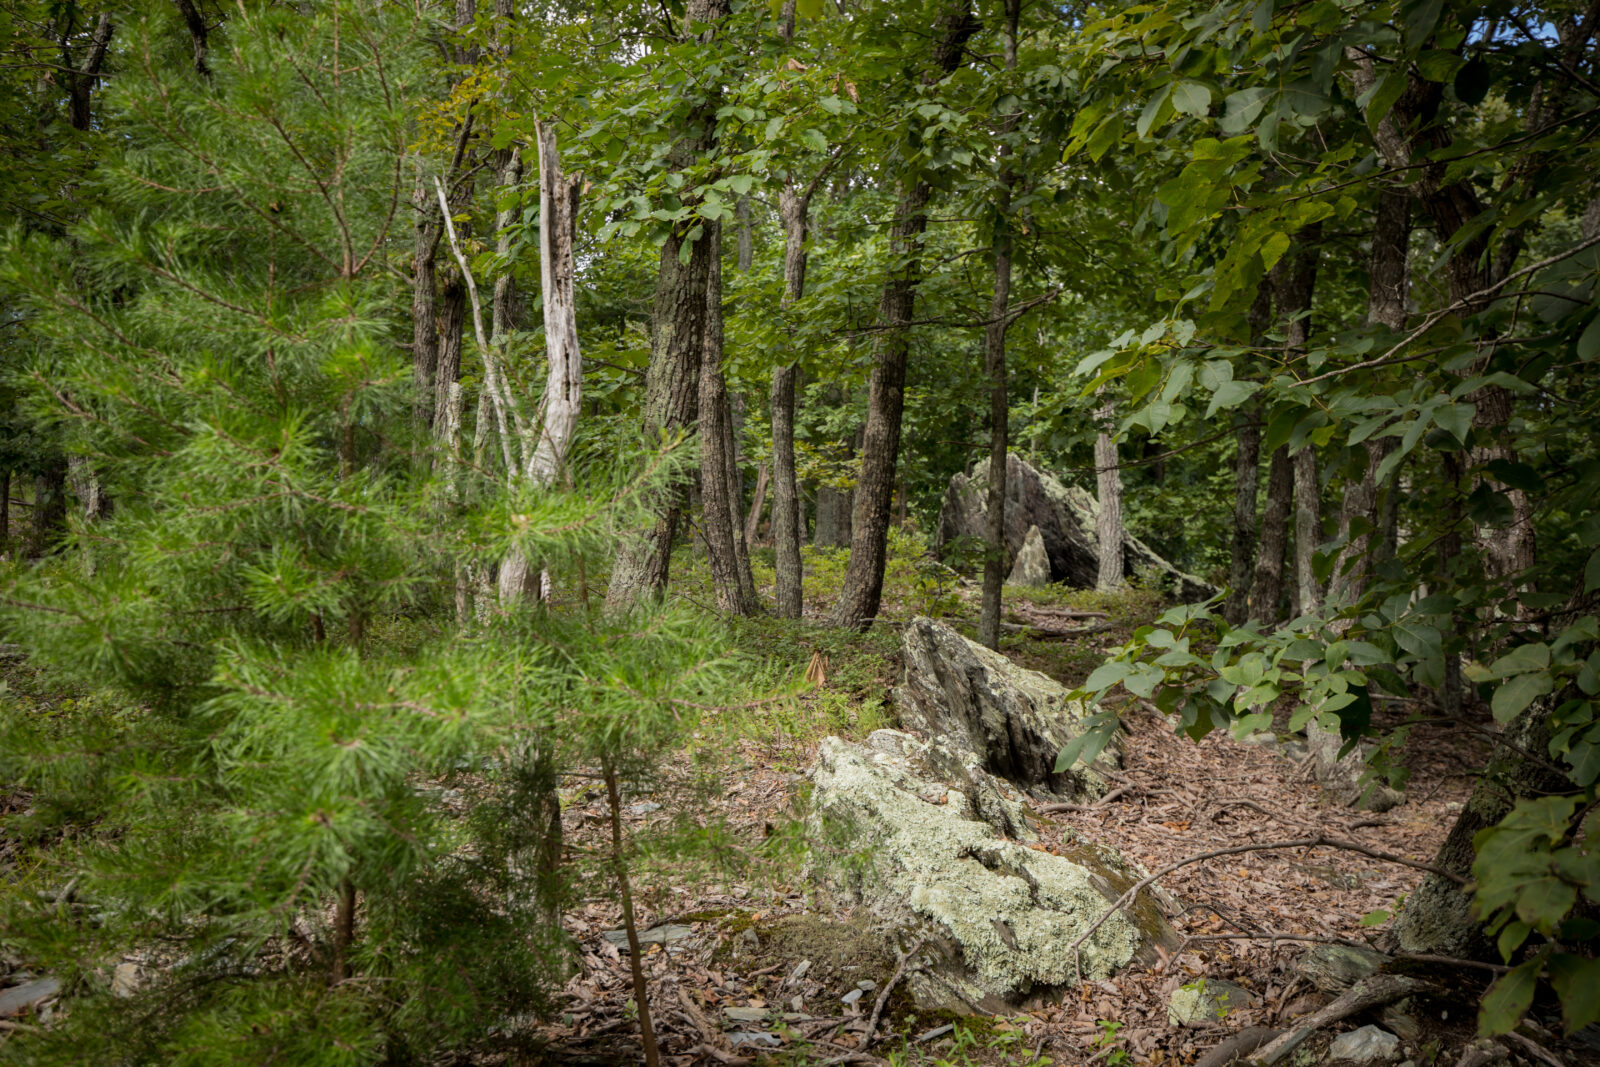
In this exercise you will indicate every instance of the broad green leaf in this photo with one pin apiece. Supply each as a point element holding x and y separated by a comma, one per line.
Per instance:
<point>1509,998</point>
<point>1192,98</point>
<point>1577,983</point>
<point>1152,111</point>
<point>1589,340</point>
<point>815,140</point>
<point>1230,394</point>
<point>1517,693</point>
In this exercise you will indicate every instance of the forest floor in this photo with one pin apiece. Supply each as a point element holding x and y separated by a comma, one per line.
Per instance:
<point>754,970</point>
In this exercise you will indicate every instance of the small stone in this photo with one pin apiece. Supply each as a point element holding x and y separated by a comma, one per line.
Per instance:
<point>1206,1001</point>
<point>657,935</point>
<point>745,1015</point>
<point>1366,1045</point>
<point>758,1038</point>
<point>866,985</point>
<point>18,999</point>
<point>800,970</point>
<point>852,996</point>
<point>124,979</point>
<point>643,808</point>
<point>797,1005</point>
<point>749,938</point>
<point>937,1031</point>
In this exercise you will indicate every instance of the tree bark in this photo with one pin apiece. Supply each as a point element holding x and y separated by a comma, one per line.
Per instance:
<point>425,303</point>
<point>1294,283</point>
<point>716,505</point>
<point>758,500</point>
<point>196,25</point>
<point>1266,592</point>
<point>1246,477</point>
<point>792,208</point>
<point>80,80</point>
<point>1109,532</point>
<point>863,579</point>
<point>1386,306</point>
<point>563,388</point>
<point>996,558</point>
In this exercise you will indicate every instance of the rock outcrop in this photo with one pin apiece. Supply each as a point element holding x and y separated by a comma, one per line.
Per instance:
<point>997,920</point>
<point>1065,517</point>
<point>1014,722</point>
<point>1342,777</point>
<point>1031,565</point>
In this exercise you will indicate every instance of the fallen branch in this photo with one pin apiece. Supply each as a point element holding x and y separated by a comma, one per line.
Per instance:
<point>888,987</point>
<point>1305,842</point>
<point>1050,631</point>
<point>1367,993</point>
<point>1104,802</point>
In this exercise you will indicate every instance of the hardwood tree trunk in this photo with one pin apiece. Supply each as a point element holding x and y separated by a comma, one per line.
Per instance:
<point>863,578</point>
<point>426,229</point>
<point>793,207</point>
<point>1294,282</point>
<point>996,557</point>
<point>1266,591</point>
<point>1386,305</point>
<point>1246,477</point>
<point>716,505</point>
<point>1109,531</point>
<point>758,500</point>
<point>672,383</point>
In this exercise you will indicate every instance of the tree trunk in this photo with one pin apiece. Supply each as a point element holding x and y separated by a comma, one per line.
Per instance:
<point>49,508</point>
<point>1266,593</point>
<point>716,506</point>
<point>863,578</point>
<point>1108,523</point>
<point>5,509</point>
<point>1246,478</point>
<point>996,557</point>
<point>424,303</point>
<point>786,523</point>
<point>1294,282</point>
<point>563,389</point>
<point>758,500</point>
<point>671,406</point>
<point>196,25</point>
<point>517,576</point>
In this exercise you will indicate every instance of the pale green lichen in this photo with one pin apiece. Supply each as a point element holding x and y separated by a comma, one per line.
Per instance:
<point>1015,912</point>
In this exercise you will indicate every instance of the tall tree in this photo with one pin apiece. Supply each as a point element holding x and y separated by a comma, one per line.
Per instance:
<point>874,497</point>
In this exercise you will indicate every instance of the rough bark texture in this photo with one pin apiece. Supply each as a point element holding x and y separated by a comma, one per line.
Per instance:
<point>786,524</point>
<point>677,336</point>
<point>1295,281</point>
<point>80,80</point>
<point>863,578</point>
<point>671,405</point>
<point>1108,492</point>
<point>758,500</point>
<point>1246,475</point>
<point>735,491</point>
<point>1266,591</point>
<point>716,512</point>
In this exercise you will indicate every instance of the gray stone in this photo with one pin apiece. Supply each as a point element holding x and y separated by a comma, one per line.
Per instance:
<point>1342,777</point>
<point>1206,1001</point>
<point>1014,722</point>
<point>18,999</point>
<point>125,979</point>
<point>656,935</point>
<point>755,1038</point>
<point>928,865</point>
<point>1065,516</point>
<point>1335,968</point>
<point>853,996</point>
<point>745,1015</point>
<point>1031,564</point>
<point>1366,1045</point>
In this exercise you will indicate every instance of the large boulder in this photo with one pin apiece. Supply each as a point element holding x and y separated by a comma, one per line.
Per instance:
<point>1066,518</point>
<point>1013,721</point>
<point>996,919</point>
<point>1031,565</point>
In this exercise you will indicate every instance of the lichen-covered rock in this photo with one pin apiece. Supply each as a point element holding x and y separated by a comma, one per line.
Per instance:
<point>996,917</point>
<point>1335,968</point>
<point>1031,566</point>
<point>1206,1001</point>
<point>1066,517</point>
<point>1014,721</point>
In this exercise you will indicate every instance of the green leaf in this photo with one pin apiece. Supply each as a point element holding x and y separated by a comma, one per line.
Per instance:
<point>1544,902</point>
<point>1375,918</point>
<point>1591,573</point>
<point>1517,693</point>
<point>1152,110</point>
<point>1577,983</point>
<point>1511,938</point>
<point>1509,998</point>
<point>1589,340</point>
<point>1230,395</point>
<point>1107,675</point>
<point>1241,109</point>
<point>1192,98</point>
<point>815,140</point>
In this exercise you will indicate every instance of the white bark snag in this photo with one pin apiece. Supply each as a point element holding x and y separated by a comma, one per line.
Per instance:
<point>563,387</point>
<point>1108,485</point>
